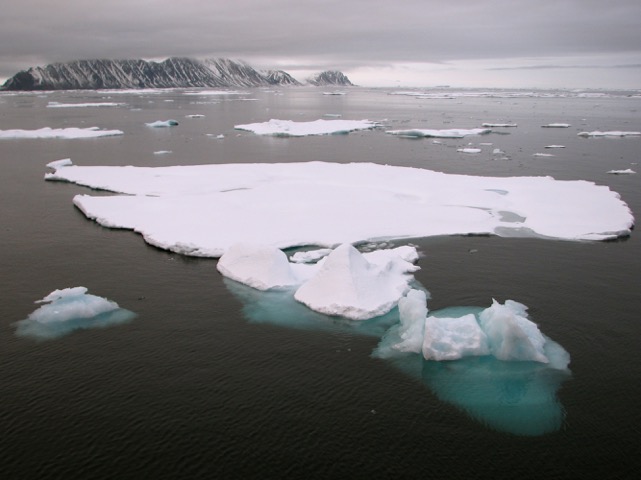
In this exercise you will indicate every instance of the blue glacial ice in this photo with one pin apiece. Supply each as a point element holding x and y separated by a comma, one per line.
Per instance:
<point>493,363</point>
<point>70,309</point>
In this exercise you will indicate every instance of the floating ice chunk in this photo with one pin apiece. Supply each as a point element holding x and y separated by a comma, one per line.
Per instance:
<point>65,162</point>
<point>195,115</point>
<point>334,93</point>
<point>469,150</point>
<point>216,92</point>
<point>78,105</point>
<point>556,125</point>
<point>622,172</point>
<point>449,133</point>
<point>162,123</point>
<point>614,133</point>
<point>412,314</point>
<point>162,152</point>
<point>289,128</point>
<point>310,256</point>
<point>542,155</point>
<point>70,132</point>
<point>502,125</point>
<point>68,310</point>
<point>350,286</point>
<point>511,336</point>
<point>498,151</point>
<point>554,146</point>
<point>260,267</point>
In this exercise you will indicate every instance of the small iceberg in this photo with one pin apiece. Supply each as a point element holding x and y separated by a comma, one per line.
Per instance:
<point>162,123</point>
<point>449,133</point>
<point>468,150</point>
<point>627,171</point>
<point>68,310</point>
<point>289,128</point>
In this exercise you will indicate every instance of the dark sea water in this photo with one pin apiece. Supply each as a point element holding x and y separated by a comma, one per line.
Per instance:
<point>202,385</point>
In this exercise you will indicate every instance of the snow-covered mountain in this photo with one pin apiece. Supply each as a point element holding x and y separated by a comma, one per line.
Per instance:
<point>174,72</point>
<point>330,77</point>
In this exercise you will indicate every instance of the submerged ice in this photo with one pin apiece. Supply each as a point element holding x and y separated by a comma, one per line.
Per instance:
<point>203,210</point>
<point>69,309</point>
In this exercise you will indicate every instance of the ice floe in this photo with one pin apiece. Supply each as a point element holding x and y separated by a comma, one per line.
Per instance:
<point>447,133</point>
<point>216,92</point>
<point>543,155</point>
<point>554,146</point>
<point>66,133</point>
<point>202,210</point>
<point>556,125</point>
<point>70,309</point>
<point>501,125</point>
<point>79,105</point>
<point>162,123</point>
<point>469,150</point>
<point>627,171</point>
<point>613,133</point>
<point>289,128</point>
<point>162,152</point>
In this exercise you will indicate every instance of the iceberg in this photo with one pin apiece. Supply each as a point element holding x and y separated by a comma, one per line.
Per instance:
<point>70,309</point>
<point>162,123</point>
<point>627,171</point>
<point>289,128</point>
<point>345,283</point>
<point>493,363</point>
<point>447,133</point>
<point>203,210</point>
<point>48,132</point>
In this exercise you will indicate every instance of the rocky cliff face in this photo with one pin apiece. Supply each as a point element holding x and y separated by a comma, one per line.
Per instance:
<point>330,77</point>
<point>120,74</point>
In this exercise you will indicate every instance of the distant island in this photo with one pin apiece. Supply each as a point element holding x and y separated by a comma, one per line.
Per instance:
<point>175,72</point>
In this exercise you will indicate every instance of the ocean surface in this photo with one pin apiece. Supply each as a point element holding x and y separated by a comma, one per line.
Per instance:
<point>205,384</point>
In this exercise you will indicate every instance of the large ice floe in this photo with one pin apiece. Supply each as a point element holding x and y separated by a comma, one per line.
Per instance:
<point>493,363</point>
<point>203,210</point>
<point>289,128</point>
<point>70,309</point>
<point>612,133</point>
<point>48,132</point>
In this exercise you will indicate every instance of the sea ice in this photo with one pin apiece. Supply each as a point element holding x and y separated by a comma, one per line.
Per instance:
<point>556,125</point>
<point>448,133</point>
<point>627,171</point>
<point>542,155</point>
<point>554,146</point>
<point>615,133</point>
<point>68,310</point>
<point>502,125</point>
<point>202,210</point>
<point>78,105</point>
<point>162,123</point>
<point>48,132</point>
<point>289,128</point>
<point>469,150</point>
<point>345,283</point>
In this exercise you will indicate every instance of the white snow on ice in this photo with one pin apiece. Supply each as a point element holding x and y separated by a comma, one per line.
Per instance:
<point>67,133</point>
<point>203,210</point>
<point>289,128</point>
<point>70,309</point>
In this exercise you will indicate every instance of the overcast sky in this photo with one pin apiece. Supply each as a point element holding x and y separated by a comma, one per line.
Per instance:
<point>485,43</point>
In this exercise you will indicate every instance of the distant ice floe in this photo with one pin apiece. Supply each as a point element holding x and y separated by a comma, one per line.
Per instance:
<point>554,146</point>
<point>556,125</point>
<point>289,128</point>
<point>79,105</point>
<point>542,155</point>
<point>68,310</point>
<point>162,152</point>
<point>448,133</point>
<point>346,283</point>
<point>216,92</point>
<point>469,150</point>
<point>162,123</point>
<point>66,133</point>
<point>614,133</point>
<point>334,93</point>
<point>627,171</point>
<point>202,210</point>
<point>501,125</point>
<point>195,115</point>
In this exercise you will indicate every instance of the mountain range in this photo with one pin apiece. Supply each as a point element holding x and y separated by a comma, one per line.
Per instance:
<point>175,72</point>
